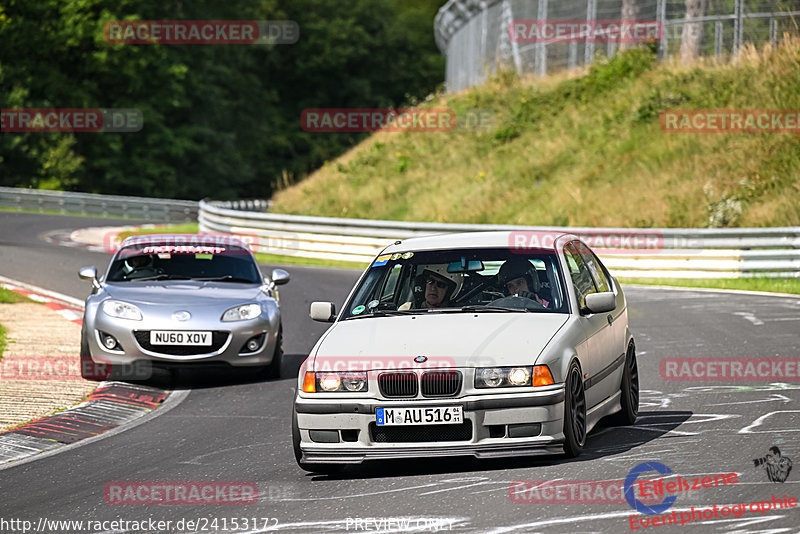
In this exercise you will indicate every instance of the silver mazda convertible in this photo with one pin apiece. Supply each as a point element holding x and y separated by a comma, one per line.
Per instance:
<point>484,344</point>
<point>178,301</point>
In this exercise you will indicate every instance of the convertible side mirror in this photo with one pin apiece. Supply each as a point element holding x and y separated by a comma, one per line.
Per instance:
<point>280,277</point>
<point>324,312</point>
<point>600,302</point>
<point>89,273</point>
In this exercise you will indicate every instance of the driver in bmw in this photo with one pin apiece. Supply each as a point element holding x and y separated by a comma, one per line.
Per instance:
<point>518,278</point>
<point>441,287</point>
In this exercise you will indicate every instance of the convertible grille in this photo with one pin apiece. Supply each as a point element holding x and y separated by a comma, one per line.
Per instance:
<point>218,340</point>
<point>441,383</point>
<point>420,434</point>
<point>401,384</point>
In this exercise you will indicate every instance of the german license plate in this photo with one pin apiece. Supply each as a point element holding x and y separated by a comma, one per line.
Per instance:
<point>169,337</point>
<point>427,415</point>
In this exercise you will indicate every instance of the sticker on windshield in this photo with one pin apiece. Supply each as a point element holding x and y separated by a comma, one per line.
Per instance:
<point>408,255</point>
<point>358,309</point>
<point>182,249</point>
<point>373,304</point>
<point>381,260</point>
<point>396,256</point>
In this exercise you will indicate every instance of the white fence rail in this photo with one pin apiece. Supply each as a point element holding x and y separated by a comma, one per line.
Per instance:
<point>149,209</point>
<point>644,252</point>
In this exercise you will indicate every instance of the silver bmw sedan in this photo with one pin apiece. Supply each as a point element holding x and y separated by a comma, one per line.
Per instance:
<point>484,344</point>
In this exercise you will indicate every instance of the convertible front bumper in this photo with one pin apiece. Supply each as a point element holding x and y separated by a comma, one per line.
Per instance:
<point>494,425</point>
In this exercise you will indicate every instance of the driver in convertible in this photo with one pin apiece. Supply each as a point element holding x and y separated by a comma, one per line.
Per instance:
<point>518,278</point>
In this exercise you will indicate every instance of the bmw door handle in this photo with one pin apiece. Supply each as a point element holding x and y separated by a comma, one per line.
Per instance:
<point>610,319</point>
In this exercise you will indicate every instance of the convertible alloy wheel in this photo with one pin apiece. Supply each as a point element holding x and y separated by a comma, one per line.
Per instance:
<point>574,413</point>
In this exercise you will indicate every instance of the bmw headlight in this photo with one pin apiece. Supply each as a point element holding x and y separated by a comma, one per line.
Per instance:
<point>329,382</point>
<point>122,310</point>
<point>498,377</point>
<point>242,313</point>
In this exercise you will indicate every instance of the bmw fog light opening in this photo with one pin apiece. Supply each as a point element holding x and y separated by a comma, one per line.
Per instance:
<point>121,310</point>
<point>499,377</point>
<point>330,382</point>
<point>242,313</point>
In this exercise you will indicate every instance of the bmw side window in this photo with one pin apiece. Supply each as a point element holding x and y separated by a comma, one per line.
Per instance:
<point>390,287</point>
<point>598,274</point>
<point>580,274</point>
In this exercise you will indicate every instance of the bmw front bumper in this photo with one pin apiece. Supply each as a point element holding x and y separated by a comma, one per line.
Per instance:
<point>337,430</point>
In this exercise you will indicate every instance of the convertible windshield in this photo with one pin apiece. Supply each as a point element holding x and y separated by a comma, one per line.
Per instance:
<point>464,280</point>
<point>184,262</point>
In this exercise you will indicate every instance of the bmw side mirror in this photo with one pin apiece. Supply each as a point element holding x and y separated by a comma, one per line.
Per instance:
<point>280,277</point>
<point>324,312</point>
<point>600,302</point>
<point>89,273</point>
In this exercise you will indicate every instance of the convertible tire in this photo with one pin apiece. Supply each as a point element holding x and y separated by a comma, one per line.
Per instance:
<point>574,413</point>
<point>629,391</point>
<point>324,469</point>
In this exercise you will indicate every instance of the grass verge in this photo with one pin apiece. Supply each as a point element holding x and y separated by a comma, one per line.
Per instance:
<point>770,285</point>
<point>11,297</point>
<point>583,149</point>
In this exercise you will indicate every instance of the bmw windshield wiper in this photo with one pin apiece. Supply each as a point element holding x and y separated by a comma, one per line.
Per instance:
<point>386,313</point>
<point>477,307</point>
<point>226,278</point>
<point>162,276</point>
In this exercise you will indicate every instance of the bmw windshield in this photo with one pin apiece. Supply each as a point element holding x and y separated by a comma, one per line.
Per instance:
<point>467,280</point>
<point>229,263</point>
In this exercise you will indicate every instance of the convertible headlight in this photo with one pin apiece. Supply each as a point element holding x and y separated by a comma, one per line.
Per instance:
<point>499,377</point>
<point>122,310</point>
<point>329,382</point>
<point>242,313</point>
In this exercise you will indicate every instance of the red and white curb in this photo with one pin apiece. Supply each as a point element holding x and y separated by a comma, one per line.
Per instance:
<point>111,406</point>
<point>69,308</point>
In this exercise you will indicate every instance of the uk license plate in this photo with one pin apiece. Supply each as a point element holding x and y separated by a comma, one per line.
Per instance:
<point>427,415</point>
<point>187,339</point>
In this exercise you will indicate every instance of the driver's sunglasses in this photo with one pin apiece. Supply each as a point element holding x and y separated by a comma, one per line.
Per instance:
<point>437,283</point>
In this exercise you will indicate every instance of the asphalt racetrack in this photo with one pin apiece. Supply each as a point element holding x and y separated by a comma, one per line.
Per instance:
<point>228,428</point>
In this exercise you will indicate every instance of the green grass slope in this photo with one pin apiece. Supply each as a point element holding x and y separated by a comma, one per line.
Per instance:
<point>583,150</point>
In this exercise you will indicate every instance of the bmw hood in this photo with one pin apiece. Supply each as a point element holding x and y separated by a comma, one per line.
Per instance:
<point>179,292</point>
<point>444,340</point>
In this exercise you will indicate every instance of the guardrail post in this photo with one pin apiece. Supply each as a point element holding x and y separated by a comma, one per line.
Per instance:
<point>541,50</point>
<point>773,31</point>
<point>591,14</point>
<point>737,27</point>
<point>718,39</point>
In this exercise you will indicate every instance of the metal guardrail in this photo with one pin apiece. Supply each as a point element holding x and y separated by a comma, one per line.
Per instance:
<point>628,252</point>
<point>473,34</point>
<point>149,209</point>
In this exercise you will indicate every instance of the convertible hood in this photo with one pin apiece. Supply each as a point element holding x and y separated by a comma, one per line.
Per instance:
<point>446,339</point>
<point>178,292</point>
